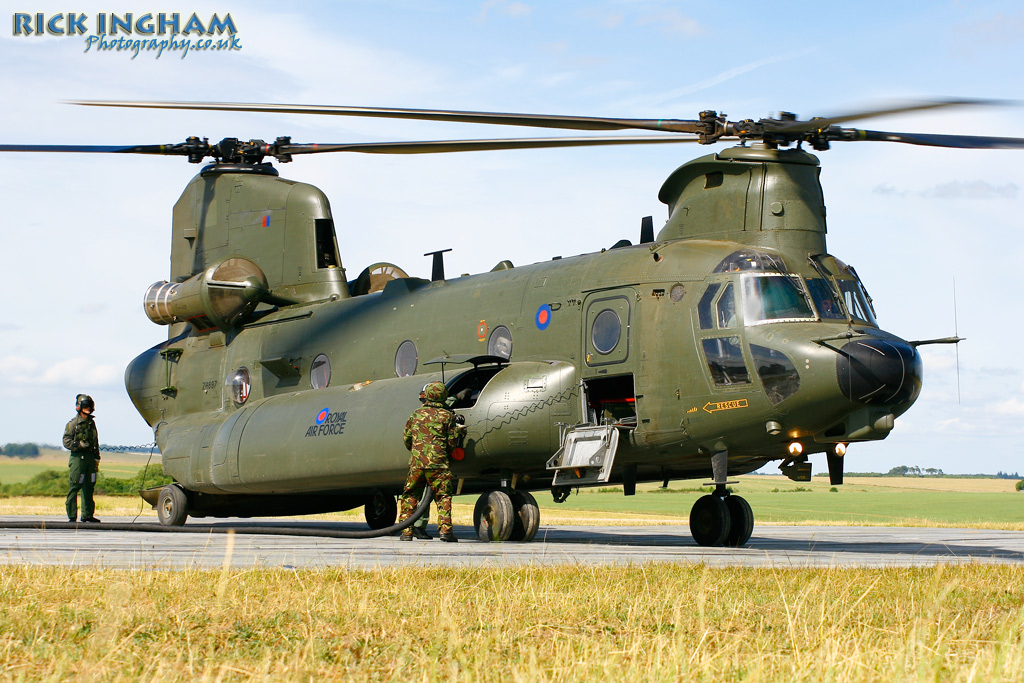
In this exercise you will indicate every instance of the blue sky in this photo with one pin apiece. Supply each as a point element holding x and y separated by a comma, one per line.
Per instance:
<point>86,236</point>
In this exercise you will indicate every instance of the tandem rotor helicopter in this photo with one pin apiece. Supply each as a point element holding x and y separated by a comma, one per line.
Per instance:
<point>729,339</point>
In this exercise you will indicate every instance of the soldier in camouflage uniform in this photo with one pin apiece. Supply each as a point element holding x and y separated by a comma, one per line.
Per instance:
<point>81,439</point>
<point>431,434</point>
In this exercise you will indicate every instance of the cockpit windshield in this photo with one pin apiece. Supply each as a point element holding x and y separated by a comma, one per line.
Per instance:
<point>774,297</point>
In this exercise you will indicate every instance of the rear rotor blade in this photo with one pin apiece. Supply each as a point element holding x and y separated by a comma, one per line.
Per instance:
<point>822,122</point>
<point>499,118</point>
<point>931,139</point>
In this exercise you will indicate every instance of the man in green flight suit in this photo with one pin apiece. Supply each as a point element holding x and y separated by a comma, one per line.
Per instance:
<point>81,439</point>
<point>430,434</point>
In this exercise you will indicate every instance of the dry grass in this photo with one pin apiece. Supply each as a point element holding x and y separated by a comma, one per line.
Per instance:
<point>119,506</point>
<point>647,622</point>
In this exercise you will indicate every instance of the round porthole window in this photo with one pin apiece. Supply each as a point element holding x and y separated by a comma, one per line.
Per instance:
<point>500,342</point>
<point>320,372</point>
<point>240,384</point>
<point>406,359</point>
<point>606,330</point>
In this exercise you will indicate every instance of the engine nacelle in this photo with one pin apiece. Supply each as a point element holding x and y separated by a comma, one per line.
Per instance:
<point>221,296</point>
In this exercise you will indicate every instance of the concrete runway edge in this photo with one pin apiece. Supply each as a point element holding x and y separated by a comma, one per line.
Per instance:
<point>770,546</point>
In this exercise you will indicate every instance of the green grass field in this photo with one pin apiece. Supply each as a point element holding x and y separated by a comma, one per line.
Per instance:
<point>120,465</point>
<point>883,501</point>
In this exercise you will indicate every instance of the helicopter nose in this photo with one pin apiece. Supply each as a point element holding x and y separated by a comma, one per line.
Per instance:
<point>879,371</point>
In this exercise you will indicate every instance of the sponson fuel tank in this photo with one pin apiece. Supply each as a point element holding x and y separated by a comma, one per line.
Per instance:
<point>350,436</point>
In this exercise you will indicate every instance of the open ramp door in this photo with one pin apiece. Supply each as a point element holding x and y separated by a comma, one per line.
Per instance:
<point>586,456</point>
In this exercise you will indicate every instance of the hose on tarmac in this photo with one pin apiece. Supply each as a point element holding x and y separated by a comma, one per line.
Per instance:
<point>428,495</point>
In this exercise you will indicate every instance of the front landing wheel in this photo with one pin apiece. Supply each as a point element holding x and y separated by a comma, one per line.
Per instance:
<point>709,521</point>
<point>741,521</point>
<point>172,506</point>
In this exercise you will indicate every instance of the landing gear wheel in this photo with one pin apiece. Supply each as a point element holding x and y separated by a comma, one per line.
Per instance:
<point>526,516</point>
<point>381,511</point>
<point>172,506</point>
<point>494,516</point>
<point>741,521</point>
<point>709,521</point>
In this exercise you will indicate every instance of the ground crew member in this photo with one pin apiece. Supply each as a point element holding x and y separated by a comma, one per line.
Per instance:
<point>430,434</point>
<point>81,439</point>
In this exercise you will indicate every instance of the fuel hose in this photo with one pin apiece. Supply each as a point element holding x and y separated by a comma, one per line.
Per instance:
<point>428,495</point>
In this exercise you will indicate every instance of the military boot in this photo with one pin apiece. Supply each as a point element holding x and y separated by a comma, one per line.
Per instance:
<point>419,532</point>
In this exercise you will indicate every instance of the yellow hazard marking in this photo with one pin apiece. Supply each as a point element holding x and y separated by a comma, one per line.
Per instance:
<point>692,410</point>
<point>715,406</point>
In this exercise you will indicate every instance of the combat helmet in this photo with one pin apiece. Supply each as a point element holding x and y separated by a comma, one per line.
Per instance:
<point>434,392</point>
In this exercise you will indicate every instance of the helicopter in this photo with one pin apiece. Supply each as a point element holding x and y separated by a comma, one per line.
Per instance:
<point>728,340</point>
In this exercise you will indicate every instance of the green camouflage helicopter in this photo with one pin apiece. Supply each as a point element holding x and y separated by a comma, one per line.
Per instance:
<point>728,340</point>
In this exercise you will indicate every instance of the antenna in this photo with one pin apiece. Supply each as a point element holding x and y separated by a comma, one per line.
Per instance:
<point>956,333</point>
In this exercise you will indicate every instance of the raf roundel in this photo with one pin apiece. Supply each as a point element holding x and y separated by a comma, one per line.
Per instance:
<point>321,417</point>
<point>543,318</point>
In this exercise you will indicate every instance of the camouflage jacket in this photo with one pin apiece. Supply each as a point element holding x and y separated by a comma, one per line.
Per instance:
<point>80,436</point>
<point>431,435</point>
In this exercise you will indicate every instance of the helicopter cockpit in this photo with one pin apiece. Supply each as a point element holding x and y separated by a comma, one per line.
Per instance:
<point>767,292</point>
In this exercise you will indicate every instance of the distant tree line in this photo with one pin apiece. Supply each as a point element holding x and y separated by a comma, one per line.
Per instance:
<point>915,471</point>
<point>20,450</point>
<point>55,483</point>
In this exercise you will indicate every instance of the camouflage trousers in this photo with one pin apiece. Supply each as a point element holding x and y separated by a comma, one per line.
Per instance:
<point>81,478</point>
<point>440,482</point>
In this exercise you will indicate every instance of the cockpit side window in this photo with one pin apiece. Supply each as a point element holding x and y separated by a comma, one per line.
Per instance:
<point>725,361</point>
<point>727,308</point>
<point>774,297</point>
<point>704,314</point>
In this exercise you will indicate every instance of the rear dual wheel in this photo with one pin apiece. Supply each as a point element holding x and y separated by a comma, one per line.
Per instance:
<point>506,515</point>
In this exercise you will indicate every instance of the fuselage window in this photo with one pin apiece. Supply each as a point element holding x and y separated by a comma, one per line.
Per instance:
<point>725,360</point>
<point>320,372</point>
<point>704,307</point>
<point>240,384</point>
<point>825,300</point>
<point>406,359</point>
<point>500,342</point>
<point>606,331</point>
<point>774,297</point>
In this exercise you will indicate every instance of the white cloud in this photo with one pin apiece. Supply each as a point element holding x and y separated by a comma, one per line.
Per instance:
<point>1012,406</point>
<point>673,22</point>
<point>81,372</point>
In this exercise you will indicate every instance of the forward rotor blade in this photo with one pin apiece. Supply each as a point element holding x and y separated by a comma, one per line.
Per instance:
<point>96,149</point>
<point>498,118</point>
<point>932,139</point>
<point>822,122</point>
<point>440,146</point>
